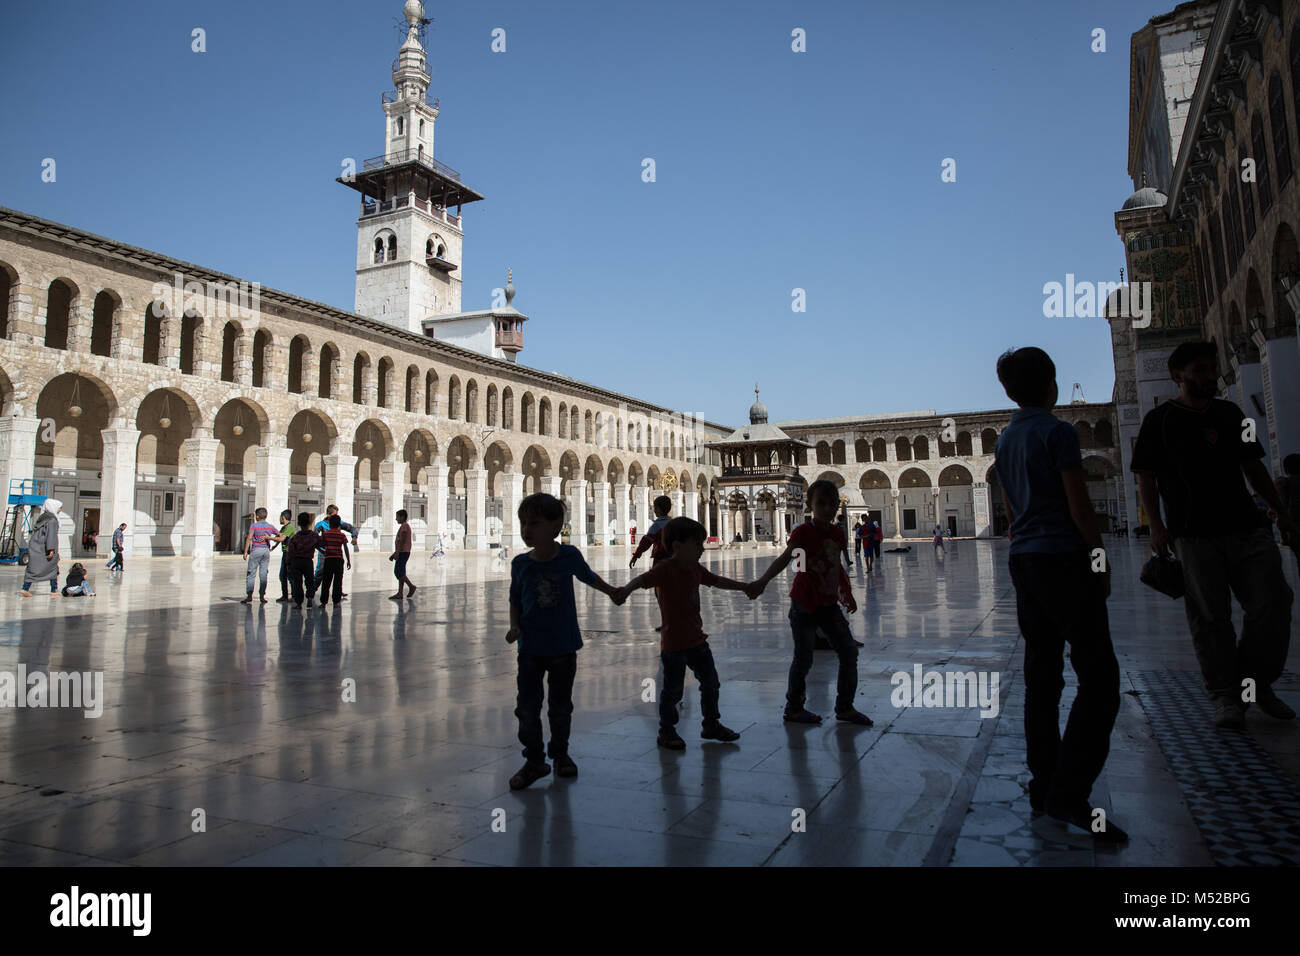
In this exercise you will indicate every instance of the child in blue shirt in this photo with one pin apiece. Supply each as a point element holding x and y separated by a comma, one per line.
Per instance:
<point>544,622</point>
<point>1062,580</point>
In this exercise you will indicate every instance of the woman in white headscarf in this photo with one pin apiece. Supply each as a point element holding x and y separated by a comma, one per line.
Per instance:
<point>43,549</point>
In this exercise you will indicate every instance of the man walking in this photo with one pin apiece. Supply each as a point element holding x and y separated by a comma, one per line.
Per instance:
<point>1191,454</point>
<point>119,547</point>
<point>257,552</point>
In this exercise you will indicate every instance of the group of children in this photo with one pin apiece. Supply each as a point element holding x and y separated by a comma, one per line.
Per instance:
<point>544,622</point>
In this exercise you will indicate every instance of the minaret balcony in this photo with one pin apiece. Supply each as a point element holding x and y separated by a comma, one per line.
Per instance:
<point>514,339</point>
<point>410,156</point>
<point>442,265</point>
<point>395,96</point>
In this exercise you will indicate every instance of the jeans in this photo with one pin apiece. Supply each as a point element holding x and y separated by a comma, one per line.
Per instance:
<point>700,660</point>
<point>284,573</point>
<point>54,586</point>
<point>81,590</point>
<point>1060,599</point>
<point>259,563</point>
<point>803,627</point>
<point>560,669</point>
<point>303,579</point>
<point>332,575</point>
<point>1249,566</point>
<point>117,562</point>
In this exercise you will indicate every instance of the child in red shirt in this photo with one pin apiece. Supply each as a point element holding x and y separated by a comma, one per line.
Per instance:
<point>820,585</point>
<point>676,581</point>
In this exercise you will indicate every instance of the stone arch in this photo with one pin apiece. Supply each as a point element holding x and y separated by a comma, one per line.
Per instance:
<point>544,416</point>
<point>153,348</point>
<point>575,423</point>
<point>569,469</point>
<point>635,473</point>
<point>8,300</point>
<point>1286,261</point>
<point>460,457</point>
<point>920,448</point>
<point>471,401</point>
<point>309,437</point>
<point>299,349</point>
<point>593,469</point>
<point>955,475</point>
<point>1102,434</point>
<point>360,379</point>
<point>103,322</point>
<point>861,450</point>
<point>536,465</point>
<point>453,398</point>
<point>507,409</point>
<point>879,450</point>
<point>327,372</point>
<point>588,427</point>
<point>261,349</point>
<point>430,392</point>
<point>165,417</point>
<point>241,426</point>
<point>873,479</point>
<point>193,327</point>
<point>492,416</point>
<point>1084,431</point>
<point>419,449</point>
<point>914,478</point>
<point>372,443</point>
<point>527,414</point>
<point>823,453</point>
<point>62,300</point>
<point>1097,467</point>
<point>834,477</point>
<point>837,452</point>
<point>81,406</point>
<point>652,481</point>
<point>902,449</point>
<point>498,459</point>
<point>384,383</point>
<point>988,441</point>
<point>964,448</point>
<point>231,334</point>
<point>614,472</point>
<point>7,403</point>
<point>562,422</point>
<point>411,390</point>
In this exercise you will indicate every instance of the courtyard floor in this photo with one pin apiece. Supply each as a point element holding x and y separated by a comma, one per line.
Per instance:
<point>239,712</point>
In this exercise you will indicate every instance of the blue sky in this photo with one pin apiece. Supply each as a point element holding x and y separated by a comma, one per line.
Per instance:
<point>775,170</point>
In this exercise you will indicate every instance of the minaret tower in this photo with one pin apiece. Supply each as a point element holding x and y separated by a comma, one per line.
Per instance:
<point>409,240</point>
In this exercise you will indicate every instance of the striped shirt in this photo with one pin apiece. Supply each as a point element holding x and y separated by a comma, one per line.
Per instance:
<point>335,541</point>
<point>262,532</point>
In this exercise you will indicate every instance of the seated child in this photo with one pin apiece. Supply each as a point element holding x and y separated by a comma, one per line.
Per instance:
<point>677,581</point>
<point>76,584</point>
<point>544,621</point>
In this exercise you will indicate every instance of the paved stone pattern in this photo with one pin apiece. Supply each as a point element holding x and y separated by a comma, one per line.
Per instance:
<point>1246,807</point>
<point>238,711</point>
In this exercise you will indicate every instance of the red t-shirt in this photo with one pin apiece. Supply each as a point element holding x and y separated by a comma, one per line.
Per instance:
<point>334,541</point>
<point>823,581</point>
<point>678,590</point>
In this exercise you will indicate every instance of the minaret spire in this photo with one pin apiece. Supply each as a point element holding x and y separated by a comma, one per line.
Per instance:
<point>410,69</point>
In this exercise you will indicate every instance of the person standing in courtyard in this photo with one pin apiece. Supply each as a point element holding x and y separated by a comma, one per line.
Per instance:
<point>334,546</point>
<point>119,549</point>
<point>287,531</point>
<point>544,624</point>
<point>938,540</point>
<point>857,538</point>
<point>683,643</point>
<point>301,549</point>
<point>43,549</point>
<point>1191,455</point>
<point>1060,598</point>
<point>400,556</point>
<point>820,586</point>
<point>257,552</point>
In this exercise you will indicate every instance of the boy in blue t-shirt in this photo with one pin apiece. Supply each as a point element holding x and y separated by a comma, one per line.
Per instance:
<point>544,621</point>
<point>1062,580</point>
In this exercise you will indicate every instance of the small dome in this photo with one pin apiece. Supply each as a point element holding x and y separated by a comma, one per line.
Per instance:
<point>1145,197</point>
<point>757,411</point>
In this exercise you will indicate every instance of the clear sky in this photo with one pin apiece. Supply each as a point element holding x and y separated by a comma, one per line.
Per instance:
<point>775,170</point>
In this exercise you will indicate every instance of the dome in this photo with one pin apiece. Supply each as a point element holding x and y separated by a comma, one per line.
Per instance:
<point>1145,197</point>
<point>757,411</point>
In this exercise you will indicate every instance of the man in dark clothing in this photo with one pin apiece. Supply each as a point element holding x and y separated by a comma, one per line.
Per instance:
<point>299,550</point>
<point>1190,455</point>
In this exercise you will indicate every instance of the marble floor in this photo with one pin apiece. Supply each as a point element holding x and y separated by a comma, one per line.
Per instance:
<point>225,737</point>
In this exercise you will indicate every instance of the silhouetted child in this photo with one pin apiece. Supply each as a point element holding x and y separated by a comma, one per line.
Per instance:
<point>544,622</point>
<point>677,581</point>
<point>401,555</point>
<point>1059,597</point>
<point>334,545</point>
<point>820,585</point>
<point>653,538</point>
<point>301,552</point>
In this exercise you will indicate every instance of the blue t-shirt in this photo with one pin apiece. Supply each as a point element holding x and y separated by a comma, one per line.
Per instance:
<point>548,618</point>
<point>1031,454</point>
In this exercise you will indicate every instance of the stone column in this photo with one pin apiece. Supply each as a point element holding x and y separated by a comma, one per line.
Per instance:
<point>243,356</point>
<point>337,484</point>
<point>117,487</point>
<point>512,492</point>
<point>676,496</point>
<point>1280,371</point>
<point>435,476</point>
<point>578,512</point>
<point>601,489</point>
<point>390,500</point>
<point>272,480</point>
<point>18,452</point>
<point>643,516</point>
<point>199,469</point>
<point>898,518</point>
<point>690,505</point>
<point>724,532</point>
<point>980,505</point>
<point>475,509</point>
<point>622,510</point>
<point>551,485</point>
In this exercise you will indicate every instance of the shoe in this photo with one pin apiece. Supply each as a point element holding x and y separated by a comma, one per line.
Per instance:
<point>719,732</point>
<point>411,591</point>
<point>1228,714</point>
<point>671,740</point>
<point>801,716</point>
<point>247,600</point>
<point>529,774</point>
<point>852,716</point>
<point>262,599</point>
<point>282,600</point>
<point>1081,817</point>
<point>565,767</point>
<point>297,607</point>
<point>1273,705</point>
<point>395,597</point>
<point>344,596</point>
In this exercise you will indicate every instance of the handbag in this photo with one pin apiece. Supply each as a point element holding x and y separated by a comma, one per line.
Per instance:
<point>1165,575</point>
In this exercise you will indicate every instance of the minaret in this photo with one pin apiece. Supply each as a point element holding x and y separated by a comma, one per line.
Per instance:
<point>409,240</point>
